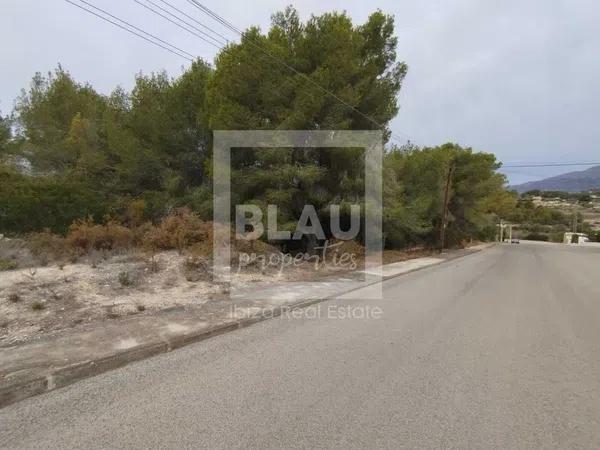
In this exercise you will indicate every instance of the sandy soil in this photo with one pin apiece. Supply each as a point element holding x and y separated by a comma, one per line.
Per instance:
<point>39,299</point>
<point>43,299</point>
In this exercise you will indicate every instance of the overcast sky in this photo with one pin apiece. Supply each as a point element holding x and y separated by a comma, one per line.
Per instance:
<point>515,77</point>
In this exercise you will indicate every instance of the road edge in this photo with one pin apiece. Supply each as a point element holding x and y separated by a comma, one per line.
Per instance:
<point>64,376</point>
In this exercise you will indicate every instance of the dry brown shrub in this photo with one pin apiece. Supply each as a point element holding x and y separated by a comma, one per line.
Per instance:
<point>238,245</point>
<point>45,245</point>
<point>85,235</point>
<point>392,256</point>
<point>140,233</point>
<point>134,214</point>
<point>203,248</point>
<point>340,247</point>
<point>178,230</point>
<point>253,246</point>
<point>117,236</point>
<point>196,268</point>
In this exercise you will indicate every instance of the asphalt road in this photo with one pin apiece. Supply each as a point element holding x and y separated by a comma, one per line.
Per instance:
<point>500,349</point>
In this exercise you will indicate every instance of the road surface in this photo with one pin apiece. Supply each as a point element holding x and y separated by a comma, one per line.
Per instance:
<point>500,349</point>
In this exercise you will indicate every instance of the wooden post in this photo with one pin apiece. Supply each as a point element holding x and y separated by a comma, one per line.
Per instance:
<point>445,211</point>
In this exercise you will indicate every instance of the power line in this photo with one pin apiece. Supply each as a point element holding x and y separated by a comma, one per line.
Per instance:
<point>552,164</point>
<point>233,28</point>
<point>196,21</point>
<point>140,30</point>
<point>195,28</point>
<point>175,52</point>
<point>178,24</point>
<point>286,82</point>
<point>181,53</point>
<point>137,28</point>
<point>215,16</point>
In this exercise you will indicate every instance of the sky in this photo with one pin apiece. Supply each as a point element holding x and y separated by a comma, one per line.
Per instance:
<point>516,78</point>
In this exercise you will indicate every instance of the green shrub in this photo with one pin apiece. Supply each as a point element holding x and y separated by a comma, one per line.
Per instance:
<point>7,264</point>
<point>125,279</point>
<point>36,203</point>
<point>37,306</point>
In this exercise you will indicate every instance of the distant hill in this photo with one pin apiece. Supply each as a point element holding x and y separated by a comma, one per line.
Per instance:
<point>584,180</point>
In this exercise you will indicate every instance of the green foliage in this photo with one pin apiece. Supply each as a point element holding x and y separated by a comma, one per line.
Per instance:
<point>415,194</point>
<point>5,135</point>
<point>37,306</point>
<point>46,114</point>
<point>34,203</point>
<point>583,197</point>
<point>250,90</point>
<point>526,212</point>
<point>125,279</point>
<point>7,264</point>
<point>141,155</point>
<point>90,155</point>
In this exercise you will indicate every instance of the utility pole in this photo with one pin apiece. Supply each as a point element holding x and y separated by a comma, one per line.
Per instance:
<point>445,211</point>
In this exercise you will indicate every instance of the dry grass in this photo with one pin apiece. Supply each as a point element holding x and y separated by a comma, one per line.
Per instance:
<point>392,256</point>
<point>81,294</point>
<point>45,246</point>
<point>182,230</point>
<point>340,247</point>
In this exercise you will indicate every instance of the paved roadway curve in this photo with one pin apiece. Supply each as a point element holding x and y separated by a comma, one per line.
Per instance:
<point>500,349</point>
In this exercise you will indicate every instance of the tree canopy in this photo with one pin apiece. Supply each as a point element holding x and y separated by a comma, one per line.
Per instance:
<point>68,152</point>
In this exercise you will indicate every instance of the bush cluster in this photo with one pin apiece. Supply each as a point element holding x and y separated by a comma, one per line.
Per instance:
<point>179,230</point>
<point>86,235</point>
